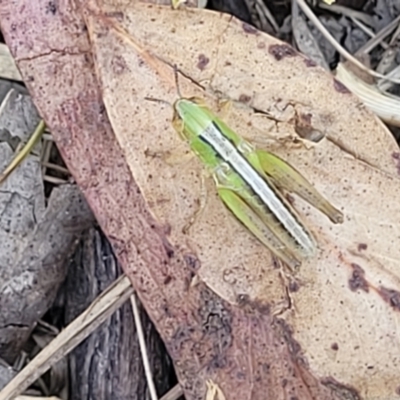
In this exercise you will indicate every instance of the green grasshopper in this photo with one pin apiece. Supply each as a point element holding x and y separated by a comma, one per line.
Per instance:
<point>249,182</point>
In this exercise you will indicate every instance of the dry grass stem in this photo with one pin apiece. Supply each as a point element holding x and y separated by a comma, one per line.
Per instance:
<point>101,308</point>
<point>312,17</point>
<point>143,348</point>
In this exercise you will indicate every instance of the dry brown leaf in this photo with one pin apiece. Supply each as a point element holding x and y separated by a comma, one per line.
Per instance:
<point>327,333</point>
<point>355,278</point>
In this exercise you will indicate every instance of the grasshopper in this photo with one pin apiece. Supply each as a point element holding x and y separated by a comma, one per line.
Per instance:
<point>250,182</point>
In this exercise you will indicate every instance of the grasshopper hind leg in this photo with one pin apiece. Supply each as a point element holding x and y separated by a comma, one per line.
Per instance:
<point>256,225</point>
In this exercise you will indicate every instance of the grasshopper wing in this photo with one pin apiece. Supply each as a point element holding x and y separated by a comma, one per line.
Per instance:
<point>284,176</point>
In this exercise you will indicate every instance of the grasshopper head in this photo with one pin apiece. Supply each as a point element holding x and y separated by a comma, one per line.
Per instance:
<point>191,117</point>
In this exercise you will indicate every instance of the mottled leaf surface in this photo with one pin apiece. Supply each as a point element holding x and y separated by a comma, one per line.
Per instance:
<point>328,332</point>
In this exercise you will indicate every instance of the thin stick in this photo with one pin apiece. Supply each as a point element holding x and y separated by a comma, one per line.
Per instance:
<point>307,10</point>
<point>36,398</point>
<point>368,31</point>
<point>79,329</point>
<point>177,81</point>
<point>265,10</point>
<point>158,101</point>
<point>55,167</point>
<point>173,394</point>
<point>143,349</point>
<point>24,151</point>
<point>379,37</point>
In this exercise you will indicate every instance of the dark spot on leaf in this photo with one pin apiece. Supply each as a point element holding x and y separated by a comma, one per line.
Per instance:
<point>397,391</point>
<point>179,339</point>
<point>244,301</point>
<point>240,375</point>
<point>294,287</point>
<point>391,296</point>
<point>118,15</point>
<point>335,346</point>
<point>250,29</point>
<point>118,64</point>
<point>244,98</point>
<point>396,157</point>
<point>51,7</point>
<point>310,63</point>
<point>192,261</point>
<point>339,87</point>
<point>280,51</point>
<point>203,62</point>
<point>357,280</point>
<point>305,118</point>
<point>167,229</point>
<point>100,35</point>
<point>362,246</point>
<point>215,317</point>
<point>303,126</point>
<point>167,279</point>
<point>290,199</point>
<point>265,367</point>
<point>228,63</point>
<point>169,249</point>
<point>166,310</point>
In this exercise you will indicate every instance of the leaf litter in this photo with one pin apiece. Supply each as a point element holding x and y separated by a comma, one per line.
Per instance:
<point>36,235</point>
<point>336,275</point>
<point>357,175</point>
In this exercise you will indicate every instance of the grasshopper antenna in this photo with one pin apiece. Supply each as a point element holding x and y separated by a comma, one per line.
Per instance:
<point>176,72</point>
<point>158,101</point>
<point>177,80</point>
